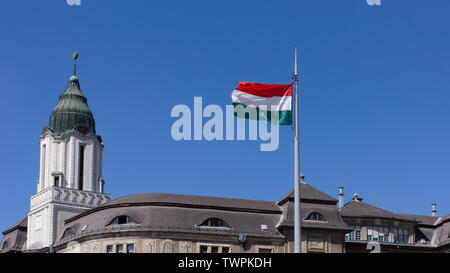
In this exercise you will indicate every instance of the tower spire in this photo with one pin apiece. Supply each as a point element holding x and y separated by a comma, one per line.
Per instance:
<point>75,57</point>
<point>71,162</point>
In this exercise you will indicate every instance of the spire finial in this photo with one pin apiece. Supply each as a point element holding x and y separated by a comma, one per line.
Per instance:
<point>296,65</point>
<point>75,57</point>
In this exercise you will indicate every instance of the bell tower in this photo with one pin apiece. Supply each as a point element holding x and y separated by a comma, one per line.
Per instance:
<point>70,176</point>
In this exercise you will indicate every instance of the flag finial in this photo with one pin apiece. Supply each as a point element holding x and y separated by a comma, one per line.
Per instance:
<point>296,65</point>
<point>75,57</point>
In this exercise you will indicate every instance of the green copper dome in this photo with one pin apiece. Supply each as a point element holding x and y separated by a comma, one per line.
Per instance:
<point>72,112</point>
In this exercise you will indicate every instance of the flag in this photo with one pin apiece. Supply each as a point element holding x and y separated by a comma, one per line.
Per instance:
<point>261,101</point>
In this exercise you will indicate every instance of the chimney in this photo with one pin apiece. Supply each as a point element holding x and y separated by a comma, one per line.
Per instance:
<point>302,179</point>
<point>433,210</point>
<point>341,197</point>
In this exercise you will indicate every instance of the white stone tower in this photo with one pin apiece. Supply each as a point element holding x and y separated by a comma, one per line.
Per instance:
<point>70,178</point>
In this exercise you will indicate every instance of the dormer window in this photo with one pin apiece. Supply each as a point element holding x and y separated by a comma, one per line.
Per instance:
<point>122,220</point>
<point>315,216</point>
<point>68,232</point>
<point>5,245</point>
<point>57,179</point>
<point>214,222</point>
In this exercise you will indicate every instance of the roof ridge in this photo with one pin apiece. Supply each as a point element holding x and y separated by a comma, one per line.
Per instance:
<point>189,195</point>
<point>319,195</point>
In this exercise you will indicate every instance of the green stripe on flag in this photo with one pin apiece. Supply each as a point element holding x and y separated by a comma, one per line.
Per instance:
<point>284,117</point>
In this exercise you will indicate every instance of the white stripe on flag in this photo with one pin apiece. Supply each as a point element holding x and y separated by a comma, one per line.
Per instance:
<point>252,101</point>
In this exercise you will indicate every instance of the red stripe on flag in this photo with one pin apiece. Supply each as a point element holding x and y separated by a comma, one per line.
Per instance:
<point>265,90</point>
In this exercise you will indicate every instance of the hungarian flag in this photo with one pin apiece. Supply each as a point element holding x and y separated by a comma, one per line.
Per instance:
<point>263,102</point>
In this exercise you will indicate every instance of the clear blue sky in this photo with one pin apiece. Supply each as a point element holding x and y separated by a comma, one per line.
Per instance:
<point>374,94</point>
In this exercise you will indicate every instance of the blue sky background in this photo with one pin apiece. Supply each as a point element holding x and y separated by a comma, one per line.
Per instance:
<point>374,94</point>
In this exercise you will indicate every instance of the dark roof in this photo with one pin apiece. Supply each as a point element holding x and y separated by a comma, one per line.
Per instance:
<point>183,213</point>
<point>22,223</point>
<point>360,209</point>
<point>308,193</point>
<point>364,210</point>
<point>196,201</point>
<point>420,219</point>
<point>312,200</point>
<point>177,213</point>
<point>443,234</point>
<point>14,238</point>
<point>445,218</point>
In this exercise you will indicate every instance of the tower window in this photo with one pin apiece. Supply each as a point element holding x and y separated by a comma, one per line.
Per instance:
<point>57,182</point>
<point>81,168</point>
<point>44,151</point>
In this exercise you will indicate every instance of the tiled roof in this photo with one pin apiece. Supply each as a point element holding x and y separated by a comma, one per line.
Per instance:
<point>175,214</point>
<point>364,210</point>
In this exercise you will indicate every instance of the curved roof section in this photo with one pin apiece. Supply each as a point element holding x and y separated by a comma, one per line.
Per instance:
<point>177,213</point>
<point>363,210</point>
<point>196,201</point>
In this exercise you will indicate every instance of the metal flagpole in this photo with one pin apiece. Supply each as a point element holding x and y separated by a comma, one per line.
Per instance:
<point>297,227</point>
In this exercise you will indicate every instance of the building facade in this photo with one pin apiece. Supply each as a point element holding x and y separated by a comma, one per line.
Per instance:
<point>394,232</point>
<point>71,213</point>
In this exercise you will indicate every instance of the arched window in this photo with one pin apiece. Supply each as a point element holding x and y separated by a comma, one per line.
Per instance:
<point>214,222</point>
<point>315,216</point>
<point>68,232</point>
<point>5,245</point>
<point>121,220</point>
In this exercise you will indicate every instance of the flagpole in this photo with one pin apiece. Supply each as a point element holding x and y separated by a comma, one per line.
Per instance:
<point>297,226</point>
